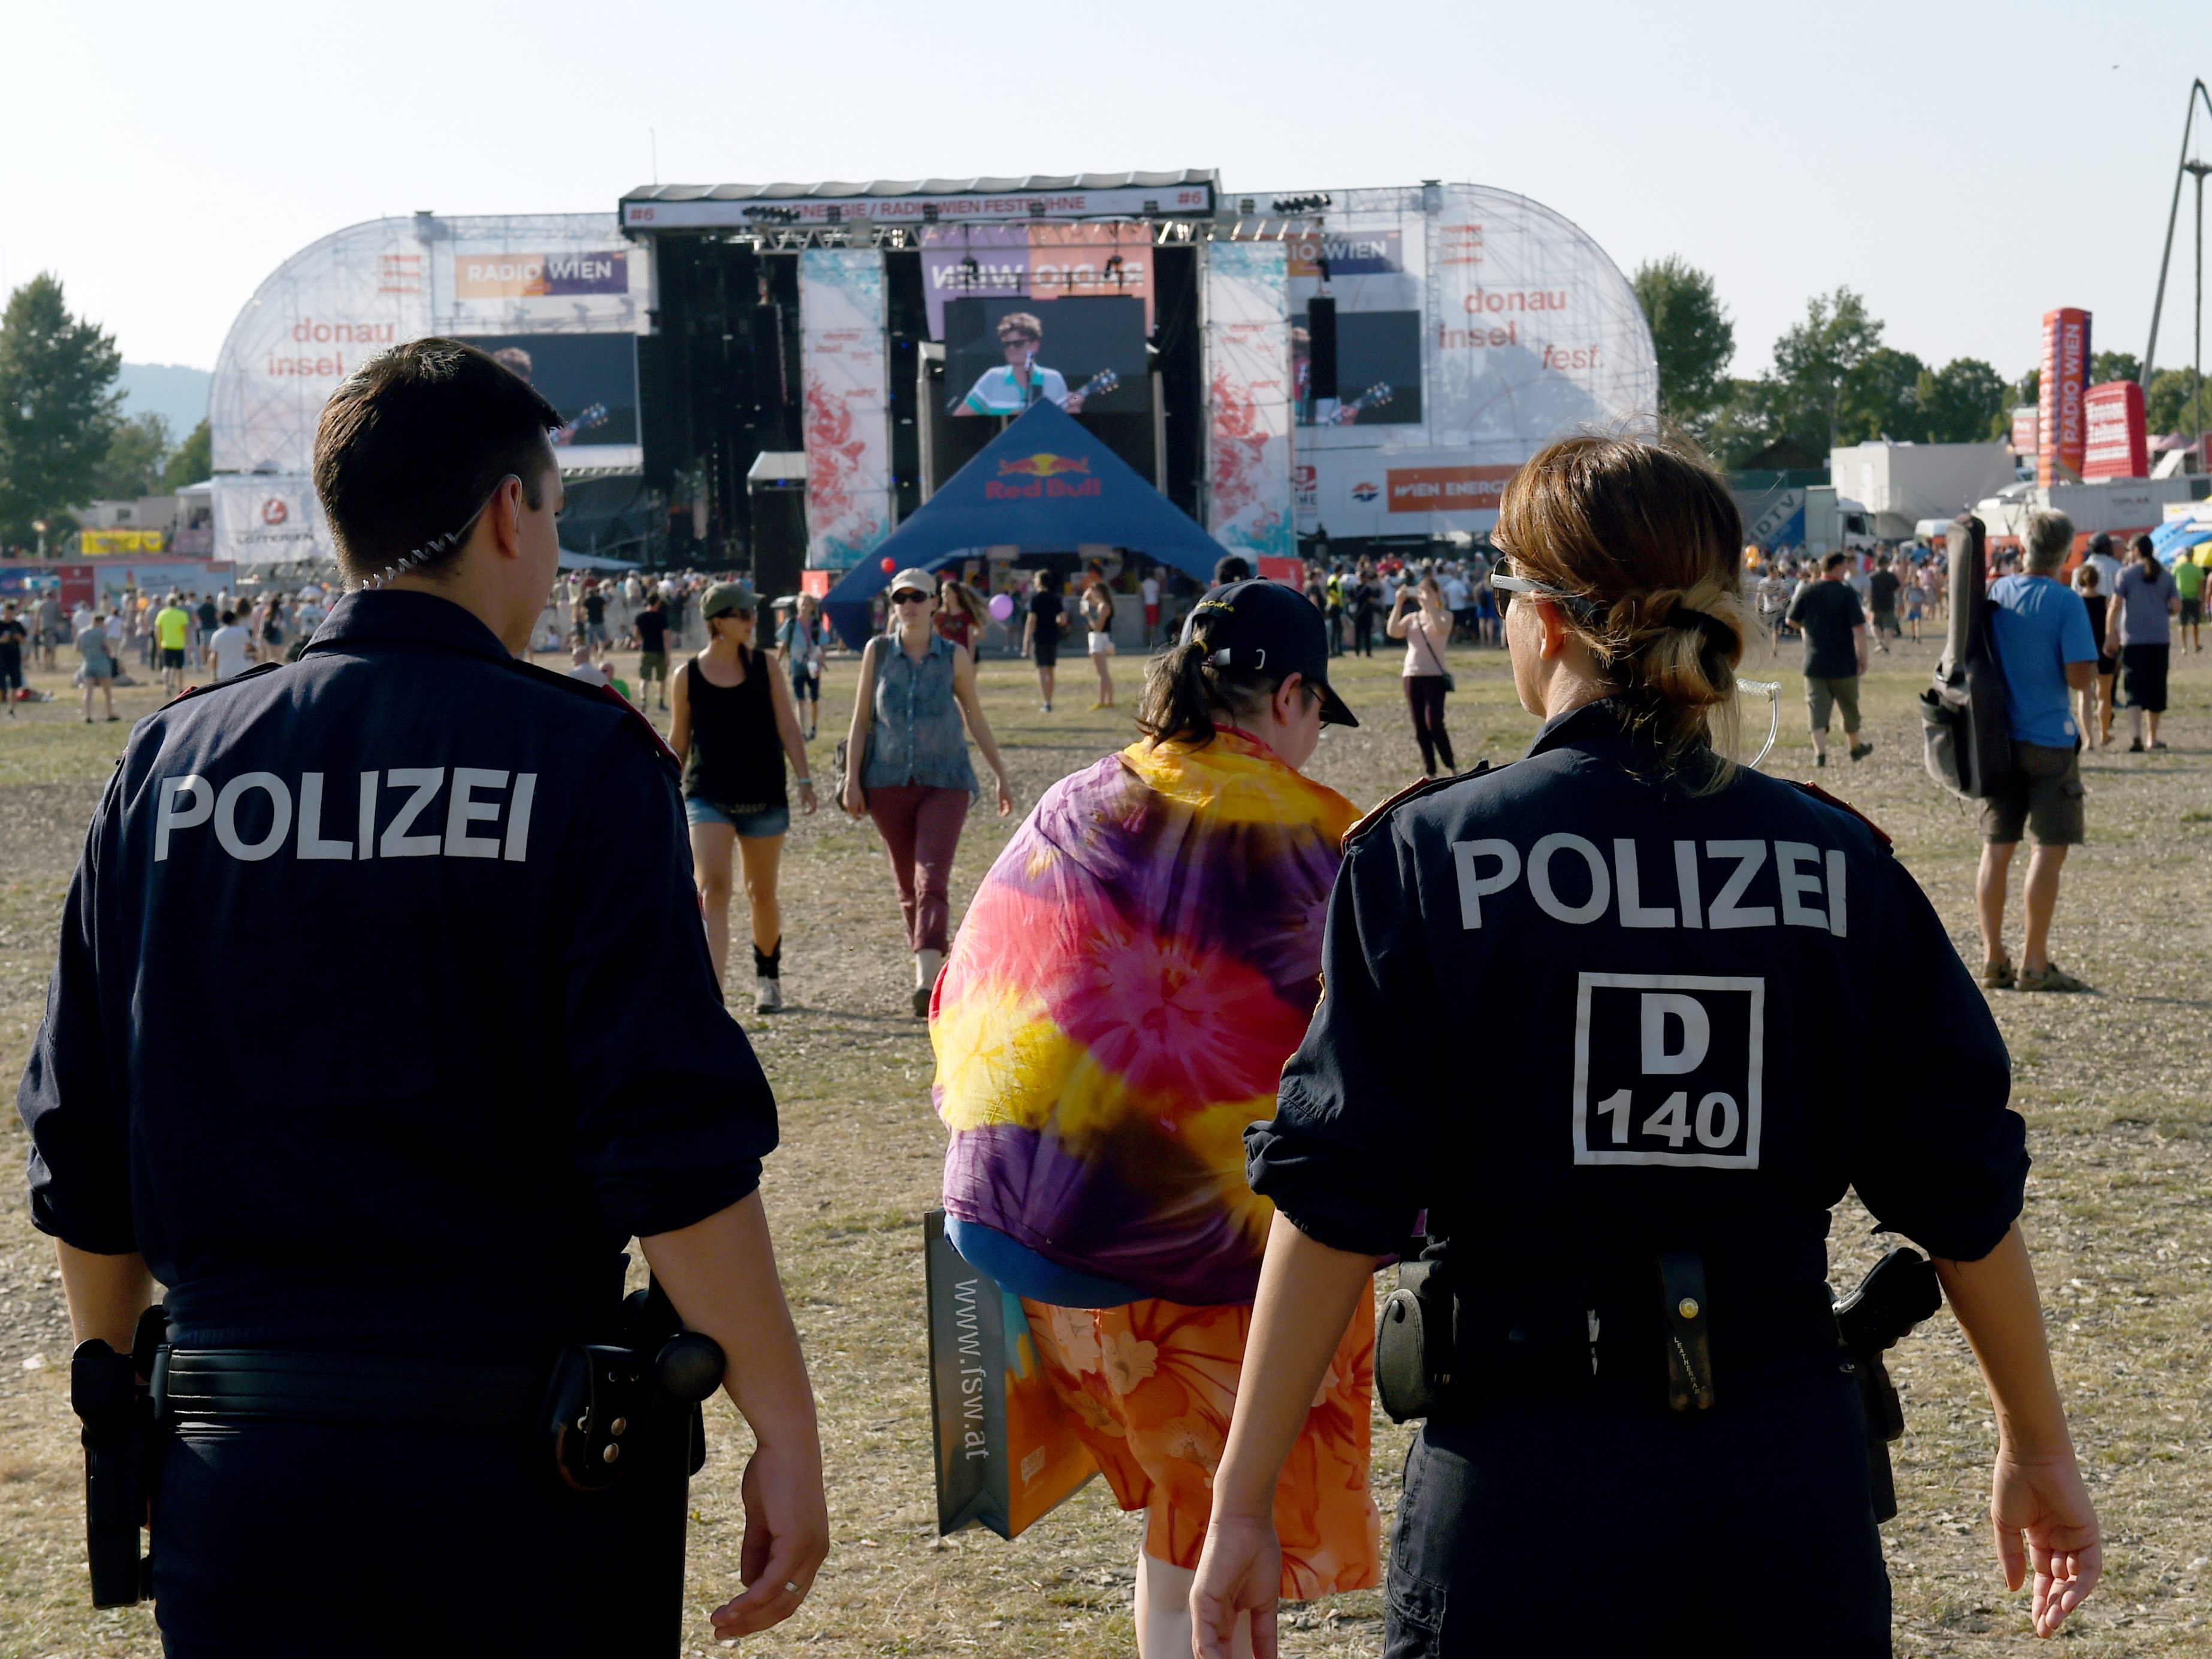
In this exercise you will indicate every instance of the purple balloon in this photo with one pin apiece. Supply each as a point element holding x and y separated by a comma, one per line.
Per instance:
<point>1002,606</point>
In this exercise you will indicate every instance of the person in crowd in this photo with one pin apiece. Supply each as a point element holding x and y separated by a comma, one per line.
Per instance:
<point>2107,563</point>
<point>1148,591</point>
<point>2045,651</point>
<point>734,724</point>
<point>1914,598</point>
<point>963,615</point>
<point>1153,925</point>
<point>2095,714</point>
<point>1048,620</point>
<point>229,649</point>
<point>2189,584</point>
<point>1231,567</point>
<point>310,617</point>
<point>908,769</point>
<point>798,642</point>
<point>274,631</point>
<point>13,637</point>
<point>651,625</point>
<point>1771,598</point>
<point>1363,602</point>
<point>1098,606</point>
<point>2138,630</point>
<point>97,650</point>
<point>1882,589</point>
<point>1625,1281</point>
<point>1421,618</point>
<point>585,665</point>
<point>1459,600</point>
<point>1333,611</point>
<point>595,614</point>
<point>172,626</point>
<point>1828,613</point>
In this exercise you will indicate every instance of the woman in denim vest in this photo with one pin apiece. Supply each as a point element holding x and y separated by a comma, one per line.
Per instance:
<point>910,769</point>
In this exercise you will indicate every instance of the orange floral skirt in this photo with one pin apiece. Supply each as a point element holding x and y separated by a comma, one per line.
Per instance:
<point>1150,1387</point>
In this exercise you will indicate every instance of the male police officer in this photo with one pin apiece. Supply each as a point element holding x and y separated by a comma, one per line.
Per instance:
<point>374,1248</point>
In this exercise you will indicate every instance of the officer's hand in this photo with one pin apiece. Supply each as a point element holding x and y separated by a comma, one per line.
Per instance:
<point>787,1535</point>
<point>807,804</point>
<point>2042,1505</point>
<point>1240,1572</point>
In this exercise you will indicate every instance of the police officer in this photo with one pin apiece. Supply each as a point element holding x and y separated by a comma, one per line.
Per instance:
<point>450,899</point>
<point>1644,1437</point>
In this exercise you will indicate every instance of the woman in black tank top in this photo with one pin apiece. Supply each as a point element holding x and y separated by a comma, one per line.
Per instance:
<point>733,724</point>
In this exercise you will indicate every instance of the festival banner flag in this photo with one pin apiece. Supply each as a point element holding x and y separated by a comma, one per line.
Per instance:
<point>1247,398</point>
<point>844,375</point>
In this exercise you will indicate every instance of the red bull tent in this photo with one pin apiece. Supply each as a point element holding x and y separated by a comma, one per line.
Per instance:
<point>1043,485</point>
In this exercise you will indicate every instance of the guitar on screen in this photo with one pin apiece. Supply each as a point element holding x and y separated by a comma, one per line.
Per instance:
<point>590,416</point>
<point>1374,397</point>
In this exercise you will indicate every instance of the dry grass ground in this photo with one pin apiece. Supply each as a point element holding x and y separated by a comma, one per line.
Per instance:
<point>2113,1087</point>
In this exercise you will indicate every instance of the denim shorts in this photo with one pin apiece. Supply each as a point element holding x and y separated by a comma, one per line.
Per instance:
<point>752,824</point>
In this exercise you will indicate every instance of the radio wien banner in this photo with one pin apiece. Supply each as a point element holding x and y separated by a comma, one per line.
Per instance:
<point>1247,398</point>
<point>269,519</point>
<point>2061,436</point>
<point>845,374</point>
<point>2115,445</point>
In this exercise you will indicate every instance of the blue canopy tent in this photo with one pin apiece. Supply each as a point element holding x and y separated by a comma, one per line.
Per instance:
<point>1043,483</point>
<point>2177,535</point>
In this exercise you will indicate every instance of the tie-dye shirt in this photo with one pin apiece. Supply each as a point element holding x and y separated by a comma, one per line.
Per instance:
<point>1134,972</point>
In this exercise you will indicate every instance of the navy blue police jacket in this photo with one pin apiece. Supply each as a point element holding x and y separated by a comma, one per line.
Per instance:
<point>383,1011</point>
<point>1574,1014</point>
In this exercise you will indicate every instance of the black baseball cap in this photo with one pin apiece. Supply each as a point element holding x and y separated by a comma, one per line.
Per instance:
<point>1274,630</point>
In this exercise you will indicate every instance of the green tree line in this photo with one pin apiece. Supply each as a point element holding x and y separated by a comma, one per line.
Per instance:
<point>64,440</point>
<point>1836,381</point>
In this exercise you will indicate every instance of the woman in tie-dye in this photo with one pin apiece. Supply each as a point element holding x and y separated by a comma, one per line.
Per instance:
<point>1118,1005</point>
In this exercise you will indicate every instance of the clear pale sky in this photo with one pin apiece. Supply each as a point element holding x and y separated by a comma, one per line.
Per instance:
<point>1965,166</point>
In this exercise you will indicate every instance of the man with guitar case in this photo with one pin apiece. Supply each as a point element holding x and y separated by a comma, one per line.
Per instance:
<point>1968,740</point>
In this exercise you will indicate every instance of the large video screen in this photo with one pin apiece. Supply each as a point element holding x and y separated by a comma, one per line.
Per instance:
<point>1378,370</point>
<point>591,379</point>
<point>1003,352</point>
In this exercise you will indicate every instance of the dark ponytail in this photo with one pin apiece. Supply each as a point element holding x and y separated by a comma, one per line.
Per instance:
<point>1187,698</point>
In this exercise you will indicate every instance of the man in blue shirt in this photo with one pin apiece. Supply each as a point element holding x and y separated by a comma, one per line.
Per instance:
<point>2045,648</point>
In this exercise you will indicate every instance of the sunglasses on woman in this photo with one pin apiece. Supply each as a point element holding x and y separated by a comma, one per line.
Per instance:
<point>1504,583</point>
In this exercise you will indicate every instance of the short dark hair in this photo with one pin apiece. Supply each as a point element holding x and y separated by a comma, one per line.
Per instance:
<point>1231,567</point>
<point>1834,561</point>
<point>412,445</point>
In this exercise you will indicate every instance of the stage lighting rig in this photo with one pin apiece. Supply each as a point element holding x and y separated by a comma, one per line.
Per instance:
<point>1294,206</point>
<point>773,216</point>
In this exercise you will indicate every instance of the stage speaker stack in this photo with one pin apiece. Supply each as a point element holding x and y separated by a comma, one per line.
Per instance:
<point>1320,346</point>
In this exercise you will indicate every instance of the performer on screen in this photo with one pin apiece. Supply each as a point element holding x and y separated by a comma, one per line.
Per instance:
<point>1022,380</point>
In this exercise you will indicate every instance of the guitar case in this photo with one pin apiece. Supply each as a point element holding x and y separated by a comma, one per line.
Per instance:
<point>1967,740</point>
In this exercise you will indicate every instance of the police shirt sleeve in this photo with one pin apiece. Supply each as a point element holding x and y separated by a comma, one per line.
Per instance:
<point>673,1113</point>
<point>69,1098</point>
<point>1342,1158</point>
<point>1941,1157</point>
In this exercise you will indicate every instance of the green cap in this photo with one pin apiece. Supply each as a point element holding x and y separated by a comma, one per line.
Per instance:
<point>724,598</point>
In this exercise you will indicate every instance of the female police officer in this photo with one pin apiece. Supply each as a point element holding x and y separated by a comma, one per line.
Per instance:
<point>1646,1435</point>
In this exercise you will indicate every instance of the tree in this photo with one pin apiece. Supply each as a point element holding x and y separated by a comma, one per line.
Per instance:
<point>1813,361</point>
<point>2106,366</point>
<point>58,406</point>
<point>1877,400</point>
<point>137,452</point>
<point>1693,336</point>
<point>2176,403</point>
<point>1963,402</point>
<point>191,462</point>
